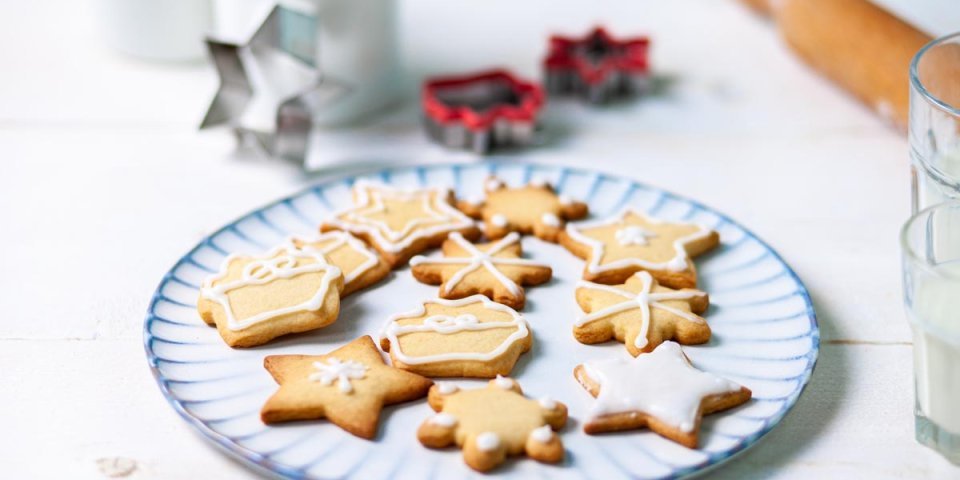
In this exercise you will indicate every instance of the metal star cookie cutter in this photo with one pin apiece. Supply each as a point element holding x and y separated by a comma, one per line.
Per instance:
<point>597,67</point>
<point>270,85</point>
<point>481,112</point>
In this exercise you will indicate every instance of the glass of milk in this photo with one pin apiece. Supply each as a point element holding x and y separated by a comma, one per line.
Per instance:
<point>935,122</point>
<point>931,290</point>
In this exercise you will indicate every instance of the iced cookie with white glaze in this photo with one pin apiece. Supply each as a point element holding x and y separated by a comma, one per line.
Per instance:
<point>660,390</point>
<point>640,313</point>
<point>254,299</point>
<point>361,266</point>
<point>493,269</point>
<point>494,422</point>
<point>534,208</point>
<point>401,223</point>
<point>629,242</point>
<point>348,386</point>
<point>467,337</point>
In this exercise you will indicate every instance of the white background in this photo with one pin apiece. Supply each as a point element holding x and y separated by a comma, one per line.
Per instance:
<point>104,183</point>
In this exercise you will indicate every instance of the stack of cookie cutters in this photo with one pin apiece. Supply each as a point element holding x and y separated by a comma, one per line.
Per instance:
<point>597,67</point>
<point>482,111</point>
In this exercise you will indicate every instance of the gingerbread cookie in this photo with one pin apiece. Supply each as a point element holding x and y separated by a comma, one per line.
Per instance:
<point>534,208</point>
<point>401,223</point>
<point>348,386</point>
<point>641,314</point>
<point>493,269</point>
<point>360,265</point>
<point>468,337</point>
<point>659,390</point>
<point>492,422</point>
<point>254,299</point>
<point>631,241</point>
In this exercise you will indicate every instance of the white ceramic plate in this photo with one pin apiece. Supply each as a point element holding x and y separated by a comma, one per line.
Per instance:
<point>765,336</point>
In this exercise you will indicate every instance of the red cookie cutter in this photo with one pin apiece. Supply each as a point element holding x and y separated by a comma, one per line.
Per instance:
<point>597,66</point>
<point>482,111</point>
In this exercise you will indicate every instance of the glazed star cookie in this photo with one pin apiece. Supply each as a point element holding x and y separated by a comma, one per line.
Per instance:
<point>254,299</point>
<point>493,422</point>
<point>629,242</point>
<point>493,269</point>
<point>348,386</point>
<point>640,313</point>
<point>659,390</point>
<point>468,337</point>
<point>534,208</point>
<point>401,223</point>
<point>360,265</point>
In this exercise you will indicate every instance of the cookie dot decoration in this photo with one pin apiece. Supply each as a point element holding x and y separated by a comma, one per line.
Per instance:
<point>401,223</point>
<point>468,337</point>
<point>640,313</point>
<point>492,269</point>
<point>253,299</point>
<point>531,209</point>
<point>494,422</point>
<point>660,390</point>
<point>617,247</point>
<point>348,386</point>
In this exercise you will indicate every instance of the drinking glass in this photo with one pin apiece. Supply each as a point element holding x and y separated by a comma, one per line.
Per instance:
<point>935,122</point>
<point>930,243</point>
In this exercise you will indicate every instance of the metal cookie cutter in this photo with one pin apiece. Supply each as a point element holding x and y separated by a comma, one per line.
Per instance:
<point>597,67</point>
<point>481,112</point>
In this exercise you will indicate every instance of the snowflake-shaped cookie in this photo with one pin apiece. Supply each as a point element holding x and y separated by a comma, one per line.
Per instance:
<point>493,422</point>
<point>467,337</point>
<point>630,241</point>
<point>493,269</point>
<point>659,390</point>
<point>401,223</point>
<point>348,386</point>
<point>534,208</point>
<point>640,313</point>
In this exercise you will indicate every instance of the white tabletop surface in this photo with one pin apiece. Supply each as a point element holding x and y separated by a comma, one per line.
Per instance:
<point>105,182</point>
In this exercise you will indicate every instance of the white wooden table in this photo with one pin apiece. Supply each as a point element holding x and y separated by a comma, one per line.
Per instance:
<point>104,182</point>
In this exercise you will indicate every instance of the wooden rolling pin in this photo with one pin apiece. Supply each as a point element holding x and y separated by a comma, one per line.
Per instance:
<point>855,43</point>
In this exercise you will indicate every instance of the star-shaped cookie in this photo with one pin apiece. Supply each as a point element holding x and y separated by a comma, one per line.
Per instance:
<point>493,269</point>
<point>360,265</point>
<point>492,422</point>
<point>640,313</point>
<point>617,247</point>
<point>348,386</point>
<point>254,299</point>
<point>659,390</point>
<point>401,223</point>
<point>467,337</point>
<point>534,208</point>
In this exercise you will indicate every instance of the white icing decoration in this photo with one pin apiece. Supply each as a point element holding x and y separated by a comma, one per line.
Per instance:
<point>499,220</point>
<point>492,184</point>
<point>331,368</point>
<point>445,324</point>
<point>370,200</point>
<point>447,388</point>
<point>565,200</point>
<point>542,434</point>
<point>443,420</point>
<point>488,441</point>
<point>677,264</point>
<point>550,220</point>
<point>644,300</point>
<point>345,238</point>
<point>634,235</point>
<point>265,269</point>
<point>503,382</point>
<point>547,403</point>
<point>477,259</point>
<point>662,384</point>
